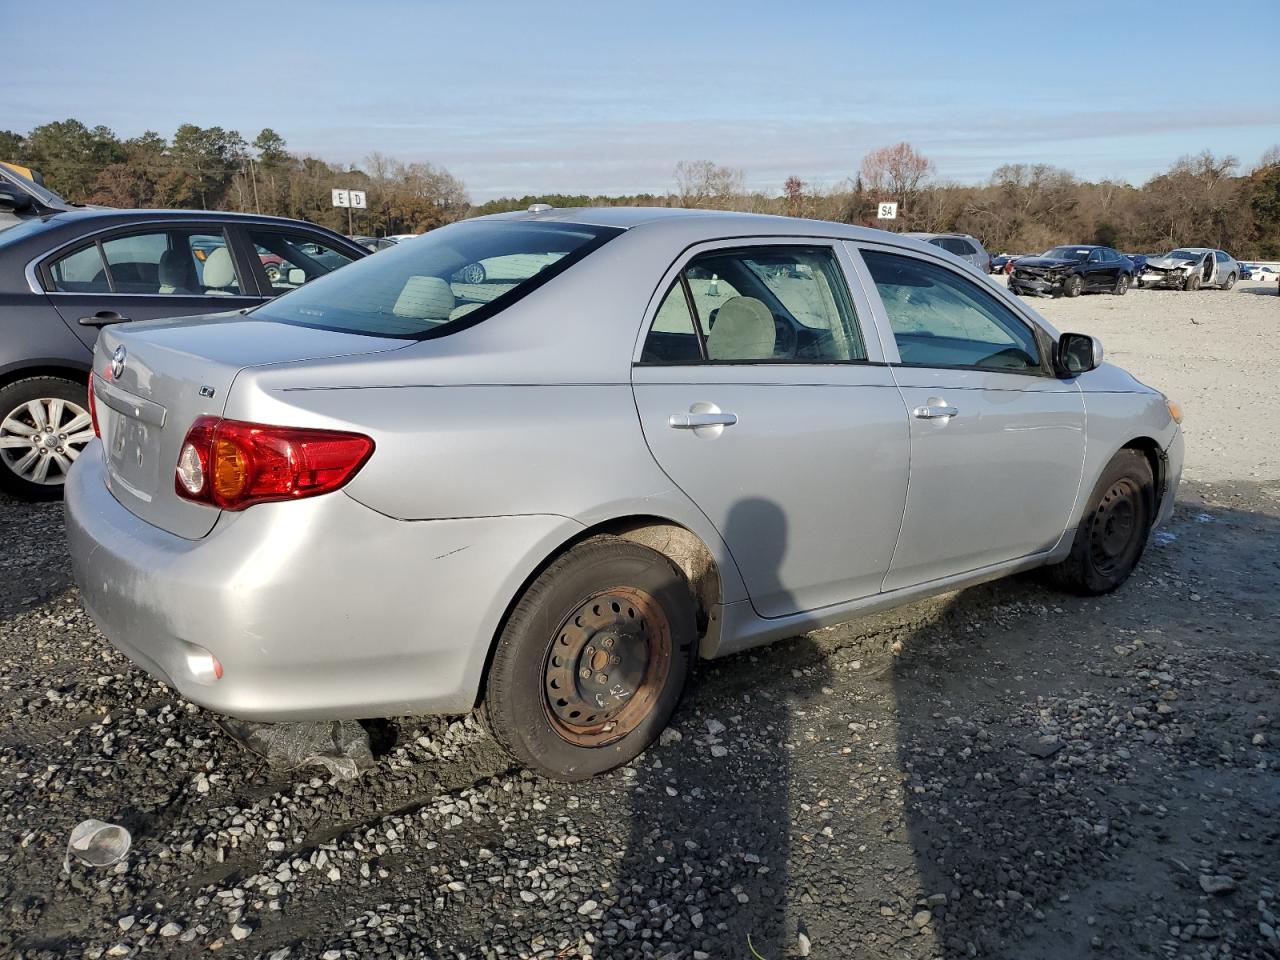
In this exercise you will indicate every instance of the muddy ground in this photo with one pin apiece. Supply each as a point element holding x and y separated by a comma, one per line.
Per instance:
<point>1007,772</point>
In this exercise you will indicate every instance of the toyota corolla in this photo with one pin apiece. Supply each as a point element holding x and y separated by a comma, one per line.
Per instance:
<point>539,464</point>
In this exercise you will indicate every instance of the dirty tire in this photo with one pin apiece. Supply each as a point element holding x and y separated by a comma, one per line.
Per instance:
<point>13,399</point>
<point>1192,282</point>
<point>1074,286</point>
<point>1122,285</point>
<point>518,708</point>
<point>1114,529</point>
<point>1231,281</point>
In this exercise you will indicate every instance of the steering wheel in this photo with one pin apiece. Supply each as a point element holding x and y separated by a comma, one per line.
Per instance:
<point>786,341</point>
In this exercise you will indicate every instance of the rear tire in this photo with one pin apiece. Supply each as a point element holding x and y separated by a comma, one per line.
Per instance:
<point>1122,285</point>
<point>1113,532</point>
<point>1074,286</point>
<point>35,451</point>
<point>1231,281</point>
<point>607,606</point>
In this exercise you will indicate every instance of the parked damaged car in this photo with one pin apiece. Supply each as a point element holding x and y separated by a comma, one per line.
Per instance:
<point>1190,268</point>
<point>648,436</point>
<point>1072,270</point>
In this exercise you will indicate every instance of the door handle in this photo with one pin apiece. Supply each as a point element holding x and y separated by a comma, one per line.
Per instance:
<point>102,318</point>
<point>691,421</point>
<point>933,412</point>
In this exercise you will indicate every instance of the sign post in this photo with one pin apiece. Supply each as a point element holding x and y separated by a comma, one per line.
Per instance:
<point>352,200</point>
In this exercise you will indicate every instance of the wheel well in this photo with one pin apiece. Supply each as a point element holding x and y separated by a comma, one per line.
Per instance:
<point>1156,458</point>
<point>679,544</point>
<point>75,374</point>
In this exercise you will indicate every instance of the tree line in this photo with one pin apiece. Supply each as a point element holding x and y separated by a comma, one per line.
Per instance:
<point>1201,200</point>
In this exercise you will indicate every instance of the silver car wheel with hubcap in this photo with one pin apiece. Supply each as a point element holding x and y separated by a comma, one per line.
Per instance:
<point>40,439</point>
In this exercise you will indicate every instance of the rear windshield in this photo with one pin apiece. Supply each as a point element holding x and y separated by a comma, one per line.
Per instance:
<point>443,281</point>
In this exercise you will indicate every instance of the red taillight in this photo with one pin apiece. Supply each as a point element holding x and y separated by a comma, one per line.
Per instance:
<point>93,408</point>
<point>234,465</point>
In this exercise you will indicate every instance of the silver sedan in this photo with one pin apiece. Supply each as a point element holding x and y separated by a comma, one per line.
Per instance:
<point>542,462</point>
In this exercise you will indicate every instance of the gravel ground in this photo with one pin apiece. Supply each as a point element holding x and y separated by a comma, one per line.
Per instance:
<point>1005,772</point>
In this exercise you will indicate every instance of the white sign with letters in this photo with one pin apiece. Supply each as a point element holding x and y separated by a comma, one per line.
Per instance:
<point>888,211</point>
<point>342,198</point>
<point>357,199</point>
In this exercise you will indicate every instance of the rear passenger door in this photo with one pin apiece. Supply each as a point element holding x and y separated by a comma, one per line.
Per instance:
<point>763,399</point>
<point>143,273</point>
<point>997,441</point>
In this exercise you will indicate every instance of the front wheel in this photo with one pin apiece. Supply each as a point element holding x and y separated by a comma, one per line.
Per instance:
<point>1112,534</point>
<point>1122,285</point>
<point>592,661</point>
<point>1074,286</point>
<point>1192,282</point>
<point>44,424</point>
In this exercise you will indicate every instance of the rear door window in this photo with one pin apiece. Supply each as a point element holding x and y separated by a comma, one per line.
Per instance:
<point>172,262</point>
<point>781,304</point>
<point>80,272</point>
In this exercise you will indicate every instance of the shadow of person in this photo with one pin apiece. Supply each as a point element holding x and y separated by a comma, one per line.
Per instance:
<point>705,869</point>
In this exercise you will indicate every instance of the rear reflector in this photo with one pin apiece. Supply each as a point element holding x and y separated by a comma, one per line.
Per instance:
<point>233,465</point>
<point>93,408</point>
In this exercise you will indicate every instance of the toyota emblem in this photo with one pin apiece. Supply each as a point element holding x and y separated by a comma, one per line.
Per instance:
<point>117,362</point>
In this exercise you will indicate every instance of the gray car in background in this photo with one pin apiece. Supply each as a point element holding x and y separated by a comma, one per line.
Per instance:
<point>961,244</point>
<point>1190,268</point>
<point>540,463</point>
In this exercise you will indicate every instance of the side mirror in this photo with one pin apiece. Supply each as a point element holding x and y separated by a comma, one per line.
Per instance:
<point>1078,353</point>
<point>12,199</point>
<point>297,276</point>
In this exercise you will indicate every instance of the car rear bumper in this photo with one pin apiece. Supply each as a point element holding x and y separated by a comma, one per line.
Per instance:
<point>319,608</point>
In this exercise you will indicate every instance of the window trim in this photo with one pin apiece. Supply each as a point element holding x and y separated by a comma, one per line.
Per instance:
<point>39,271</point>
<point>858,301</point>
<point>1044,341</point>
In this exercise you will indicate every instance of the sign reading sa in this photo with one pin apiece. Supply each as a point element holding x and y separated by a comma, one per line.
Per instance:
<point>888,211</point>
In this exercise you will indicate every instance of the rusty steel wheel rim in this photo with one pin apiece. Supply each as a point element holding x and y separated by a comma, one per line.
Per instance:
<point>606,666</point>
<point>1115,524</point>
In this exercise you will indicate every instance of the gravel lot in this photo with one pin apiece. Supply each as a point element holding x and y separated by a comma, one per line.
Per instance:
<point>1006,772</point>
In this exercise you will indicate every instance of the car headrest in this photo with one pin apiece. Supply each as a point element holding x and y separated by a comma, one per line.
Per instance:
<point>744,330</point>
<point>219,271</point>
<point>425,298</point>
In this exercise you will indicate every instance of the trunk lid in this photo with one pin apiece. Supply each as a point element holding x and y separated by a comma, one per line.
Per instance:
<point>153,379</point>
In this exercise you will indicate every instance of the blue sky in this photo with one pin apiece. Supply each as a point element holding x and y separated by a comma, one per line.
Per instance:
<point>604,97</point>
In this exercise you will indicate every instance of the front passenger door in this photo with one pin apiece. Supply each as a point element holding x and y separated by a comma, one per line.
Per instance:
<point>997,441</point>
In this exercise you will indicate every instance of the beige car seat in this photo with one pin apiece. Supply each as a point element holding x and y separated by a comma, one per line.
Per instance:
<point>425,298</point>
<point>220,274</point>
<point>744,330</point>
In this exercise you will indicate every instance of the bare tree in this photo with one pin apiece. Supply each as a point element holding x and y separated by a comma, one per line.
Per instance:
<point>896,173</point>
<point>701,183</point>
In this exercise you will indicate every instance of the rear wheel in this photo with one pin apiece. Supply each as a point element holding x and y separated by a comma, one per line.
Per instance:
<point>592,660</point>
<point>1231,281</point>
<point>1122,285</point>
<point>1113,531</point>
<point>1074,285</point>
<point>44,424</point>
